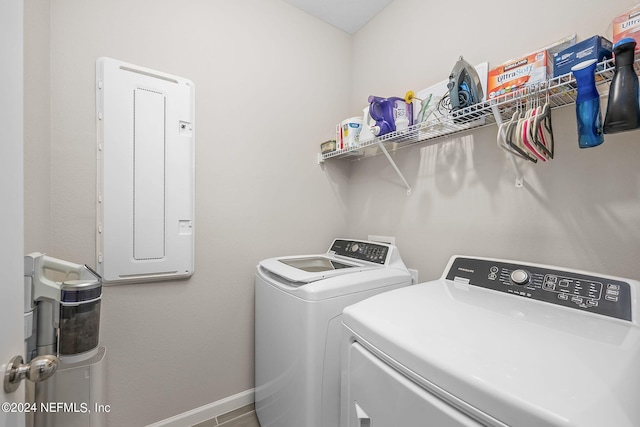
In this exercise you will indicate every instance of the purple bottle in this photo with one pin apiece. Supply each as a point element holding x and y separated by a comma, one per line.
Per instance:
<point>387,112</point>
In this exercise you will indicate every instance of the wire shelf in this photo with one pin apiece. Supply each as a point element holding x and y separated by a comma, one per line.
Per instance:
<point>558,92</point>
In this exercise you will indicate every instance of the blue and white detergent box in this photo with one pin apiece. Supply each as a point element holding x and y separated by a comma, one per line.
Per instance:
<point>595,47</point>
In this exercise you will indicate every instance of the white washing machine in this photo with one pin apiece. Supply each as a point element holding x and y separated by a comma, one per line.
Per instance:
<point>298,328</point>
<point>495,343</point>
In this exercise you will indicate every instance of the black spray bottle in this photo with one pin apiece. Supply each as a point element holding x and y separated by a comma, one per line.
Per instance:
<point>623,109</point>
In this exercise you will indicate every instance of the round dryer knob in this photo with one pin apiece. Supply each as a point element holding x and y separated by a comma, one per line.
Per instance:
<point>520,277</point>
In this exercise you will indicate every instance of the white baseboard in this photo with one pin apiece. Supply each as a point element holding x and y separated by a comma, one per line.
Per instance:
<point>208,411</point>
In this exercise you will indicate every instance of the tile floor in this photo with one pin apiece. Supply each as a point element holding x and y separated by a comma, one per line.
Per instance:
<point>241,417</point>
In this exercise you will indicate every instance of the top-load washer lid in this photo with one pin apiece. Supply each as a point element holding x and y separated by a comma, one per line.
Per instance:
<point>300,270</point>
<point>343,257</point>
<point>315,264</point>
<point>513,343</point>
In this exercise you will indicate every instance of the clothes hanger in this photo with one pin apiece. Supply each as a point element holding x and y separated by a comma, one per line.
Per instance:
<point>507,134</point>
<point>518,137</point>
<point>543,135</point>
<point>527,128</point>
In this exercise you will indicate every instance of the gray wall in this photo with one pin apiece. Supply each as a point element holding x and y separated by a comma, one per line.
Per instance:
<point>270,82</point>
<point>580,210</point>
<point>37,132</point>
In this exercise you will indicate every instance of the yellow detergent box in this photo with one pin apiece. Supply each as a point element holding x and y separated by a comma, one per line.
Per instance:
<point>515,74</point>
<point>627,25</point>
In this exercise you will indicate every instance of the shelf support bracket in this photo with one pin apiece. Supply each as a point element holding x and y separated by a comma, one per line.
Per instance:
<point>498,118</point>
<point>386,153</point>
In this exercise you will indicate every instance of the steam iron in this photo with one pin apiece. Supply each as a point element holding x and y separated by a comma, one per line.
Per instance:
<point>390,114</point>
<point>464,86</point>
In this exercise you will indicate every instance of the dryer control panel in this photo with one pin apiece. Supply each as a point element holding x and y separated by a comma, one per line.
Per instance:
<point>595,294</point>
<point>357,249</point>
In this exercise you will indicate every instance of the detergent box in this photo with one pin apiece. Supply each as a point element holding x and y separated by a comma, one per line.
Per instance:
<point>530,69</point>
<point>596,47</point>
<point>627,25</point>
<point>515,74</point>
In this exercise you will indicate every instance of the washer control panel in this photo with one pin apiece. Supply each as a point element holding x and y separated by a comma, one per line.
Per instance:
<point>365,251</point>
<point>595,294</point>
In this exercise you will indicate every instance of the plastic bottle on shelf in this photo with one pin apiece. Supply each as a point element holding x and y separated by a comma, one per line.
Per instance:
<point>623,109</point>
<point>588,105</point>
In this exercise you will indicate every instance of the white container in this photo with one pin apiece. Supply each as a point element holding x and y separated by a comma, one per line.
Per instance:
<point>350,132</point>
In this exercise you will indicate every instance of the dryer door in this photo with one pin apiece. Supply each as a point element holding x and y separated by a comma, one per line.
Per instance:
<point>379,396</point>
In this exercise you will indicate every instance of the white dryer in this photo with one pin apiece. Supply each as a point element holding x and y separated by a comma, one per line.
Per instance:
<point>495,343</point>
<point>298,329</point>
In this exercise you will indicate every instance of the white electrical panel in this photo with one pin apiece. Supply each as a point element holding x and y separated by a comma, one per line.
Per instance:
<point>146,174</point>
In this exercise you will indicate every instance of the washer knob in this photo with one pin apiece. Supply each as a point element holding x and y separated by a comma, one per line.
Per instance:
<point>520,277</point>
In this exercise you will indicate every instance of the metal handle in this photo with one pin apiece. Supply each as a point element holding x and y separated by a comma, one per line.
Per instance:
<point>39,369</point>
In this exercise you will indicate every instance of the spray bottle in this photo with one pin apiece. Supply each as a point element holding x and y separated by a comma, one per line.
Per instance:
<point>623,109</point>
<point>588,105</point>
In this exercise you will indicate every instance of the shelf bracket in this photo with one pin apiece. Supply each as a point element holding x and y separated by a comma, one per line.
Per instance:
<point>386,153</point>
<point>498,118</point>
